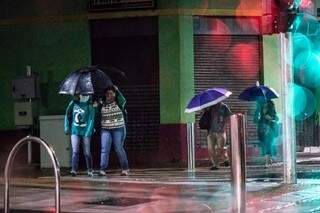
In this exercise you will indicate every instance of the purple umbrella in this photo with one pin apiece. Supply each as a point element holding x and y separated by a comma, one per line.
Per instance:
<point>207,98</point>
<point>258,93</point>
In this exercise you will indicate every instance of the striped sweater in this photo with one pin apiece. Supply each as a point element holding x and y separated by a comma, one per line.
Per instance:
<point>111,116</point>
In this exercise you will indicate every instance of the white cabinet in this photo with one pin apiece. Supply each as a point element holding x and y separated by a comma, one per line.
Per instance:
<point>51,131</point>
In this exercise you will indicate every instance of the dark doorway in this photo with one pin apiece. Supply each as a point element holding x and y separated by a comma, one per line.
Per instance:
<point>131,45</point>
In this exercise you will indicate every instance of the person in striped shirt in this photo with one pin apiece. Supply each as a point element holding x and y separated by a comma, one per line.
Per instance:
<point>113,129</point>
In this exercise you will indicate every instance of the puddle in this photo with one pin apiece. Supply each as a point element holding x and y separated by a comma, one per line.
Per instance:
<point>120,201</point>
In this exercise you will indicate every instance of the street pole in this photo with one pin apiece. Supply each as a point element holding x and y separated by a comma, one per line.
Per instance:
<point>238,163</point>
<point>288,122</point>
<point>191,151</point>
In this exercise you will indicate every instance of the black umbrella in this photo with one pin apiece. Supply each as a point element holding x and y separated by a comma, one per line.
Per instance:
<point>117,75</point>
<point>258,93</point>
<point>86,80</point>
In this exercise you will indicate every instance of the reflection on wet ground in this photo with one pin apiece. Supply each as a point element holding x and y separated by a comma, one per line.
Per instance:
<point>166,190</point>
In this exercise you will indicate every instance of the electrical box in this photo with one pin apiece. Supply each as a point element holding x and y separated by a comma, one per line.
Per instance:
<point>51,131</point>
<point>24,113</point>
<point>26,87</point>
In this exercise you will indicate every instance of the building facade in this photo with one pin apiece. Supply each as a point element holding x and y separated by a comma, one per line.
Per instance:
<point>169,50</point>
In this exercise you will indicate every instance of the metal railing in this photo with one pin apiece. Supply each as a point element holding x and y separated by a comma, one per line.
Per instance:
<point>9,163</point>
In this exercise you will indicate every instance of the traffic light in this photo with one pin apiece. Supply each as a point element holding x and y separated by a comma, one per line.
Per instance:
<point>288,11</point>
<point>281,16</point>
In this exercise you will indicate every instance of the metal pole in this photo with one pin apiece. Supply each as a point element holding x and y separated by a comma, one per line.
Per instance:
<point>288,130</point>
<point>190,139</point>
<point>29,152</point>
<point>9,163</point>
<point>238,163</point>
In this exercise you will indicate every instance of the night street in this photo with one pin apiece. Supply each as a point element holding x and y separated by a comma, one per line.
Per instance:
<point>169,190</point>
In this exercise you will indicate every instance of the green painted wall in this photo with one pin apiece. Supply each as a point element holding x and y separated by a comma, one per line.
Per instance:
<point>186,66</point>
<point>52,49</point>
<point>271,65</point>
<point>176,67</point>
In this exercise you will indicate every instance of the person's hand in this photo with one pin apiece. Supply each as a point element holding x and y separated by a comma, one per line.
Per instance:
<point>268,117</point>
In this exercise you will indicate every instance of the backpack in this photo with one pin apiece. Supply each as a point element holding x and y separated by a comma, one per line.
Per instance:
<point>204,122</point>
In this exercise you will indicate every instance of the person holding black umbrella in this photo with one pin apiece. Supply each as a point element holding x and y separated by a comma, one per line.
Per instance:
<point>79,123</point>
<point>267,120</point>
<point>265,116</point>
<point>112,115</point>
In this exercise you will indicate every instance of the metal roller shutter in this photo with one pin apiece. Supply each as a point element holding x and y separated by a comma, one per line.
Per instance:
<point>143,117</point>
<point>232,62</point>
<point>131,44</point>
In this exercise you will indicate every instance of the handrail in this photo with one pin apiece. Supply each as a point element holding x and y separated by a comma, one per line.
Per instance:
<point>9,162</point>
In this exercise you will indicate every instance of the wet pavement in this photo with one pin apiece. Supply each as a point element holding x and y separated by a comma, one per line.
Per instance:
<point>168,190</point>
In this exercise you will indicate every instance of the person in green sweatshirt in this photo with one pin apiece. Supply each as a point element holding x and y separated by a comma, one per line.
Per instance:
<point>79,123</point>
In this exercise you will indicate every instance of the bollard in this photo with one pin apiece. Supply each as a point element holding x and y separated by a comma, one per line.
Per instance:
<point>238,168</point>
<point>190,140</point>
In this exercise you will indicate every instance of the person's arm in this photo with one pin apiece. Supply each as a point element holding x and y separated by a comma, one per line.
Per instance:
<point>121,101</point>
<point>257,114</point>
<point>204,123</point>
<point>268,117</point>
<point>271,114</point>
<point>227,111</point>
<point>90,121</point>
<point>68,118</point>
<point>274,114</point>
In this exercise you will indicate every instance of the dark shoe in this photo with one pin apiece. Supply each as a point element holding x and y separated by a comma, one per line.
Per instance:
<point>102,173</point>
<point>225,164</point>
<point>214,168</point>
<point>73,173</point>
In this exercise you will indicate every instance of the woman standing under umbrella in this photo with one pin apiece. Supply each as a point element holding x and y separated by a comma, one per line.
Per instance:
<point>79,122</point>
<point>266,118</point>
<point>113,129</point>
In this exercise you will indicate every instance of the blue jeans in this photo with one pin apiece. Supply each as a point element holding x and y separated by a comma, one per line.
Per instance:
<point>115,136</point>
<point>75,142</point>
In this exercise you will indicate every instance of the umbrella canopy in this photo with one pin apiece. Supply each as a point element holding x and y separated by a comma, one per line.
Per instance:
<point>207,98</point>
<point>117,75</point>
<point>258,93</point>
<point>86,80</point>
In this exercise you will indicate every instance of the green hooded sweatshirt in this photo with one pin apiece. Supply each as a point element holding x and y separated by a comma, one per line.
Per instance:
<point>79,118</point>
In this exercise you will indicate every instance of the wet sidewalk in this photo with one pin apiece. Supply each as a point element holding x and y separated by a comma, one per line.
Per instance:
<point>169,190</point>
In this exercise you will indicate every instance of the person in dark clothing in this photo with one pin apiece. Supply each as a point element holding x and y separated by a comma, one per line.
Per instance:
<point>267,120</point>
<point>216,118</point>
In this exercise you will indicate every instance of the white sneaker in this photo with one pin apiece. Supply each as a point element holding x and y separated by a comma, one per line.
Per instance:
<point>102,173</point>
<point>90,173</point>
<point>125,172</point>
<point>73,173</point>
